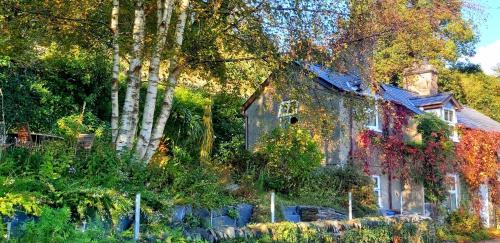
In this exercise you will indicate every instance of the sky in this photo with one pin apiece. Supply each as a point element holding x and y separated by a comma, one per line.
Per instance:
<point>488,48</point>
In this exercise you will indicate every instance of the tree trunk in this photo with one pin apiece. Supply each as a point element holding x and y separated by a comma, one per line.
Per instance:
<point>115,109</point>
<point>130,111</point>
<point>165,14</point>
<point>174,71</point>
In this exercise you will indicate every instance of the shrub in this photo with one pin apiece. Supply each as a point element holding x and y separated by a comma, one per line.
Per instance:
<point>55,226</point>
<point>329,186</point>
<point>368,235</point>
<point>72,125</point>
<point>462,225</point>
<point>290,156</point>
<point>462,221</point>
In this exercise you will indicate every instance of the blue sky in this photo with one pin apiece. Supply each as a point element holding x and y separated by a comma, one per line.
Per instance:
<point>488,21</point>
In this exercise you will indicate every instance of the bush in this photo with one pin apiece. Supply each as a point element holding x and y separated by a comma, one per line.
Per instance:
<point>329,186</point>
<point>367,235</point>
<point>72,125</point>
<point>55,226</point>
<point>290,156</point>
<point>462,225</point>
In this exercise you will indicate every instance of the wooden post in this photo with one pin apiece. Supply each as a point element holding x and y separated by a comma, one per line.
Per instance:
<point>137,216</point>
<point>272,208</point>
<point>350,205</point>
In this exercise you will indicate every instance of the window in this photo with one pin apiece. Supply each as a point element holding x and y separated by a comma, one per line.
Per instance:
<point>373,119</point>
<point>448,115</point>
<point>452,185</point>
<point>287,111</point>
<point>376,189</point>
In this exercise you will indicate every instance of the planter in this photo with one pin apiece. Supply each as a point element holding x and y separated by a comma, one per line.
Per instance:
<point>85,141</point>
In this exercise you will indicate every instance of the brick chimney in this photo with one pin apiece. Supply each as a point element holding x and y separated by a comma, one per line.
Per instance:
<point>421,79</point>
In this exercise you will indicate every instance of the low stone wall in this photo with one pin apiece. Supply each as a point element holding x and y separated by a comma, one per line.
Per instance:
<point>323,230</point>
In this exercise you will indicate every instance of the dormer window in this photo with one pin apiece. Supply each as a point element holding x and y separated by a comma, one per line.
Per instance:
<point>373,118</point>
<point>287,113</point>
<point>449,117</point>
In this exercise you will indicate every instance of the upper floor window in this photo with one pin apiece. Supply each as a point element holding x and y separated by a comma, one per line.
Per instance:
<point>448,115</point>
<point>287,112</point>
<point>373,119</point>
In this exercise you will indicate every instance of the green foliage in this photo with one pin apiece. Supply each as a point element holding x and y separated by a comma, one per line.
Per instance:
<point>463,221</point>
<point>290,155</point>
<point>55,226</point>
<point>55,85</point>
<point>72,125</point>
<point>462,225</point>
<point>367,235</point>
<point>432,127</point>
<point>474,89</point>
<point>329,187</point>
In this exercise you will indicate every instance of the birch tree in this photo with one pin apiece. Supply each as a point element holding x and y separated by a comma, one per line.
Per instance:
<point>173,74</point>
<point>164,15</point>
<point>115,113</point>
<point>130,110</point>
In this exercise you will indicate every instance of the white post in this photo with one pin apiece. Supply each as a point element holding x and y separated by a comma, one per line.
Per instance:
<point>9,225</point>
<point>350,205</point>
<point>485,205</point>
<point>401,201</point>
<point>272,207</point>
<point>137,216</point>
<point>423,200</point>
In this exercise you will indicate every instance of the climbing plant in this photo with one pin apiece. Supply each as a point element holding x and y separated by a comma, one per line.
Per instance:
<point>478,160</point>
<point>426,161</point>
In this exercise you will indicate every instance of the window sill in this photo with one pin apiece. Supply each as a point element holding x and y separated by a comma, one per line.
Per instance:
<point>375,129</point>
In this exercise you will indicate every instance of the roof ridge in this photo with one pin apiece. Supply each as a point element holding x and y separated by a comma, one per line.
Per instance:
<point>429,96</point>
<point>403,89</point>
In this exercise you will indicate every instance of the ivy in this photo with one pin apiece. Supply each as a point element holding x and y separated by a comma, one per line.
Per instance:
<point>427,162</point>
<point>478,161</point>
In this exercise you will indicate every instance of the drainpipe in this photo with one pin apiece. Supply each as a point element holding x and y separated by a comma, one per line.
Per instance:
<point>351,140</point>
<point>389,174</point>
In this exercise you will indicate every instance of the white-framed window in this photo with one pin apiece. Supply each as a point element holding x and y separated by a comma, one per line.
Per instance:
<point>449,116</point>
<point>452,184</point>
<point>287,112</point>
<point>373,118</point>
<point>377,190</point>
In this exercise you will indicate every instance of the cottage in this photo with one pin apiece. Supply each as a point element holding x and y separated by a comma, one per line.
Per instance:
<point>336,107</point>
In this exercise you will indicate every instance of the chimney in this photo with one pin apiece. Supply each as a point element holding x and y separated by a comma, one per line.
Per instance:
<point>421,79</point>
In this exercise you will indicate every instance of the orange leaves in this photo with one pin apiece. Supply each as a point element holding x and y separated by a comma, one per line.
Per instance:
<point>478,156</point>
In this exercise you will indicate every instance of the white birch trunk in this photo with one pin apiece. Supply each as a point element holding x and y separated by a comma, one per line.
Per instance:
<point>130,106</point>
<point>154,70</point>
<point>172,82</point>
<point>115,109</point>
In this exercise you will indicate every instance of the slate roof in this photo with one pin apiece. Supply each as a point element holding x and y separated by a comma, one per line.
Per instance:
<point>474,119</point>
<point>413,101</point>
<point>438,98</point>
<point>400,96</point>
<point>344,82</point>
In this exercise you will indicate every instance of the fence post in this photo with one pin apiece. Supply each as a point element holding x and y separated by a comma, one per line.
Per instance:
<point>272,208</point>
<point>137,216</point>
<point>9,226</point>
<point>350,205</point>
<point>423,200</point>
<point>401,201</point>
